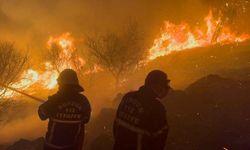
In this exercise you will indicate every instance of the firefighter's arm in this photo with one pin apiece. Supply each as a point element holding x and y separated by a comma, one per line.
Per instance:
<point>115,125</point>
<point>80,142</point>
<point>44,110</point>
<point>86,111</point>
<point>161,129</point>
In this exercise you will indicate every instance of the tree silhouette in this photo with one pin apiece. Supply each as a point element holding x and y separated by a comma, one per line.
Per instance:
<point>119,53</point>
<point>12,64</point>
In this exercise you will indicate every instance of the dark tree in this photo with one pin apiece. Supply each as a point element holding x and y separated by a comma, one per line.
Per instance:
<point>119,53</point>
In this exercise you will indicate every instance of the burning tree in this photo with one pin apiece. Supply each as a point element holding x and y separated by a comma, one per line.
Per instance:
<point>63,54</point>
<point>61,61</point>
<point>12,63</point>
<point>119,53</point>
<point>54,56</point>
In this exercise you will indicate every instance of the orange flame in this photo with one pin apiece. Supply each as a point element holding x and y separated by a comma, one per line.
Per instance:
<point>180,37</point>
<point>66,56</point>
<point>47,79</point>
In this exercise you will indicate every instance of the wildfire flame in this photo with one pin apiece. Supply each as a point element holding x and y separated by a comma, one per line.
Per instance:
<point>66,57</point>
<point>32,78</point>
<point>47,78</point>
<point>172,38</point>
<point>180,37</point>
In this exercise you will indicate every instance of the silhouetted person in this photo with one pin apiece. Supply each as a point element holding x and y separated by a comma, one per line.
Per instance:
<point>68,110</point>
<point>141,122</point>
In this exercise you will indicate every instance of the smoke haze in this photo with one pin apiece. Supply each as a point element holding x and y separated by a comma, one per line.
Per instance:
<point>29,23</point>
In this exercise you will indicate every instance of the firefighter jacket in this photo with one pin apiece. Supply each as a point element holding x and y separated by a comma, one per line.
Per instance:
<point>140,122</point>
<point>67,111</point>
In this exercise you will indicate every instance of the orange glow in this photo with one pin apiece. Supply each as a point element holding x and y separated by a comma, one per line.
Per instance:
<point>46,79</point>
<point>180,37</point>
<point>32,79</point>
<point>67,49</point>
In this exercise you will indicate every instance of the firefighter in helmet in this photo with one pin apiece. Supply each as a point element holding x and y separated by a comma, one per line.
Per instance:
<point>140,122</point>
<point>68,111</point>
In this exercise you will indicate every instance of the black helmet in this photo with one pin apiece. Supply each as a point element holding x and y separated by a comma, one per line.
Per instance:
<point>157,77</point>
<point>69,77</point>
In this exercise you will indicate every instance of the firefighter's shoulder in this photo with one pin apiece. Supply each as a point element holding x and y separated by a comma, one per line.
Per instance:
<point>84,102</point>
<point>129,95</point>
<point>51,100</point>
<point>52,97</point>
<point>82,98</point>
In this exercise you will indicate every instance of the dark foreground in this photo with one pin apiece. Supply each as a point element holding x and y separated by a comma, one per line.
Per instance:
<point>211,114</point>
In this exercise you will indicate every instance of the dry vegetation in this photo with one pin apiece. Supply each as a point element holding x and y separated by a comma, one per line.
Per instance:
<point>12,63</point>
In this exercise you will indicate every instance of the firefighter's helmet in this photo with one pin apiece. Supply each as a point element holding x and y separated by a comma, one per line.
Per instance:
<point>69,77</point>
<point>157,77</point>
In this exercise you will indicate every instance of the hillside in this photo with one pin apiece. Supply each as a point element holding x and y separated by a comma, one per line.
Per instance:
<point>187,66</point>
<point>211,113</point>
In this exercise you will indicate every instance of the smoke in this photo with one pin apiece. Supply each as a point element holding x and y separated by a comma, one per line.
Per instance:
<point>33,21</point>
<point>29,23</point>
<point>27,128</point>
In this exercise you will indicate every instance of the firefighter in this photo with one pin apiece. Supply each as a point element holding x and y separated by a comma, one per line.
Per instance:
<point>68,111</point>
<point>140,122</point>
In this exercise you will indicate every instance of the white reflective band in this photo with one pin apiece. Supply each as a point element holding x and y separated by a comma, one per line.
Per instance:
<point>139,130</point>
<point>78,131</point>
<point>66,121</point>
<point>52,132</point>
<point>131,127</point>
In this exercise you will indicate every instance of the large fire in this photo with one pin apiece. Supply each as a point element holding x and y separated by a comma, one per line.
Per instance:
<point>67,57</point>
<point>172,38</point>
<point>47,78</point>
<point>180,37</point>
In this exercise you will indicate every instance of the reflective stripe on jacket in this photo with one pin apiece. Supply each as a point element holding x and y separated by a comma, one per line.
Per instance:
<point>140,122</point>
<point>67,114</point>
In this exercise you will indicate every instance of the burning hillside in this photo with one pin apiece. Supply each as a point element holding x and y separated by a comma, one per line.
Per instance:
<point>63,53</point>
<point>180,37</point>
<point>112,53</point>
